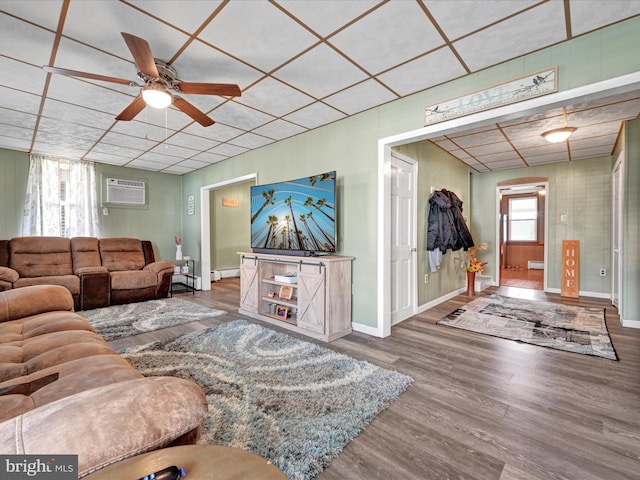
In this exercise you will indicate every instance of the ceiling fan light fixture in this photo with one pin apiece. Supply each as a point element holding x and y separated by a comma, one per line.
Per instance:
<point>559,134</point>
<point>156,96</point>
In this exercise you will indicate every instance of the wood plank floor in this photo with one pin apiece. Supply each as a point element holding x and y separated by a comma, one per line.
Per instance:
<point>483,407</point>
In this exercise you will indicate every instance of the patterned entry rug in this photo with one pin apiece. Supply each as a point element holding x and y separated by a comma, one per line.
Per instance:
<point>292,402</point>
<point>129,319</point>
<point>563,327</point>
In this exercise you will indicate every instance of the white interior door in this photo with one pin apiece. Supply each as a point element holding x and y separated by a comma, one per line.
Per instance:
<point>616,233</point>
<point>403,237</point>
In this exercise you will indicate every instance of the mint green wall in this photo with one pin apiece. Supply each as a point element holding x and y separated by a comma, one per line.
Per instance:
<point>581,190</point>
<point>631,222</point>
<point>159,221</point>
<point>350,146</point>
<point>230,226</point>
<point>14,170</point>
<point>436,168</point>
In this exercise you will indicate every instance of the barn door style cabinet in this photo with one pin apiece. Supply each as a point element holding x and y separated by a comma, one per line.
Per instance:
<point>309,295</point>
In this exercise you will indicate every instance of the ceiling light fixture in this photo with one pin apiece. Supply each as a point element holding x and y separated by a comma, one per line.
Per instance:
<point>156,96</point>
<point>559,134</point>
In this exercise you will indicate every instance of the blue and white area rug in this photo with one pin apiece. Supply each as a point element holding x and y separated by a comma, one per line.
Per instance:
<point>120,321</point>
<point>563,327</point>
<point>292,402</point>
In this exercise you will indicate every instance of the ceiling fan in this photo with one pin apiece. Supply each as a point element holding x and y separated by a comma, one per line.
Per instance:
<point>159,80</point>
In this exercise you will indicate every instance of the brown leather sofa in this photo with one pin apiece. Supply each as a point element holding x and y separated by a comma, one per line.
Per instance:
<point>97,272</point>
<point>63,390</point>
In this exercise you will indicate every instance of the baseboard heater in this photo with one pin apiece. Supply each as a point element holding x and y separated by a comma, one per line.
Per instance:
<point>231,272</point>
<point>536,265</point>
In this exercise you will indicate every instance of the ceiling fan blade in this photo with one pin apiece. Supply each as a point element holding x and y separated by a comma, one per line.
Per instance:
<point>76,73</point>
<point>132,110</point>
<point>141,52</point>
<point>224,89</point>
<point>192,111</point>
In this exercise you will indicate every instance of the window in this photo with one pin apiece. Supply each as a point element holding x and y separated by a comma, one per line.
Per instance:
<point>523,215</point>
<point>61,198</point>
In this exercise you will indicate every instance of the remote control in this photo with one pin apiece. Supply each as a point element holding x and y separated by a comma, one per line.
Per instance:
<point>169,473</point>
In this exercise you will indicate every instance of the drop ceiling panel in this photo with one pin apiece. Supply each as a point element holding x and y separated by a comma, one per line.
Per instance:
<point>257,33</point>
<point>392,34</point>
<point>321,72</point>
<point>524,33</point>
<point>428,70</point>
<point>299,64</point>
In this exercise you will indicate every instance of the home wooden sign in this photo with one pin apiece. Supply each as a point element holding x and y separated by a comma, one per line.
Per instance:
<point>570,268</point>
<point>522,88</point>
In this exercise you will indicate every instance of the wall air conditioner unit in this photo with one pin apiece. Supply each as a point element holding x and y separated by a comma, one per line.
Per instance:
<point>125,192</point>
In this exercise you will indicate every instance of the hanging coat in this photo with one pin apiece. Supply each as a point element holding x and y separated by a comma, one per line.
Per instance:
<point>446,228</point>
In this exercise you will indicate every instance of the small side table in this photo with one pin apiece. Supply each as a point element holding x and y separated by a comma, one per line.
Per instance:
<point>202,462</point>
<point>189,284</point>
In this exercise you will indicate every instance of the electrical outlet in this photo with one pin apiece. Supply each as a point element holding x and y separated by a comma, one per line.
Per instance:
<point>603,272</point>
<point>426,278</point>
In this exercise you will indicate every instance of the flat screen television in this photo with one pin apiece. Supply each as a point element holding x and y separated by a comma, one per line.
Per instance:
<point>295,217</point>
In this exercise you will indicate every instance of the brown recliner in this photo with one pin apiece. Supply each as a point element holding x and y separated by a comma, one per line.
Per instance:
<point>134,276</point>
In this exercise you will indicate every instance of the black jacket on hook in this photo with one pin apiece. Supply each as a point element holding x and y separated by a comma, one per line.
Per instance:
<point>446,228</point>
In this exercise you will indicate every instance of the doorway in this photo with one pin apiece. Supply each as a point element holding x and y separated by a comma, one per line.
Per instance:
<point>522,226</point>
<point>205,223</point>
<point>616,234</point>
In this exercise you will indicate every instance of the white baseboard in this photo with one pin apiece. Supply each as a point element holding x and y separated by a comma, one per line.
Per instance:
<point>583,293</point>
<point>367,329</point>
<point>438,301</point>
<point>630,323</point>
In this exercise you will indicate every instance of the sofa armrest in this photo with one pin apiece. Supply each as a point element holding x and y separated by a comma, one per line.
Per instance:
<point>90,270</point>
<point>27,301</point>
<point>8,274</point>
<point>108,424</point>
<point>160,268</point>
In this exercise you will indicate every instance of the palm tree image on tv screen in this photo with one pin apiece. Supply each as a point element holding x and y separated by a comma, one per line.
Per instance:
<point>295,215</point>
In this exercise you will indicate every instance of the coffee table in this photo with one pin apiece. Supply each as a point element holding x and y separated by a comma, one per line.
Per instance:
<point>202,462</point>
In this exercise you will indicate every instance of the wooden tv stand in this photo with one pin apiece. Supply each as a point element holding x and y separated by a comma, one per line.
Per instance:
<point>320,300</point>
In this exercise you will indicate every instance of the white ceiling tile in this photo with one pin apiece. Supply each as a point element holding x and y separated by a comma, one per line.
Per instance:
<point>272,96</point>
<point>209,157</point>
<point>41,12</point>
<point>508,163</point>
<point>21,76</point>
<point>392,34</point>
<point>201,63</point>
<point>192,164</point>
<point>12,143</point>
<point>159,158</point>
<point>115,150</point>
<point>18,119</point>
<point>15,131</point>
<point>315,115</point>
<point>25,42</point>
<point>107,157</point>
<point>136,143</point>
<point>591,152</point>
<point>424,72</point>
<point>178,169</point>
<point>139,129</point>
<point>172,150</point>
<point>278,129</point>
<point>483,137</point>
<point>320,72</point>
<point>242,117</point>
<point>226,150</point>
<point>491,148</point>
<point>218,132</point>
<point>77,92</point>
<point>491,158</point>
<point>64,150</point>
<point>66,128</point>
<point>476,14</point>
<point>55,109</point>
<point>175,13</point>
<point>360,97</point>
<point>100,23</point>
<point>258,33</point>
<point>524,33</point>
<point>147,165</point>
<point>192,141</point>
<point>251,141</point>
<point>326,16</point>
<point>587,15</point>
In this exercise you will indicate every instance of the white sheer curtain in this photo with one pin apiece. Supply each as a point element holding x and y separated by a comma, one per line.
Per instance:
<point>61,198</point>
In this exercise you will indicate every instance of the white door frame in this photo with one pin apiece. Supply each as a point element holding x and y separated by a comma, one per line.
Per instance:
<point>413,280</point>
<point>616,213</point>
<point>612,86</point>
<point>546,227</point>
<point>205,224</point>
